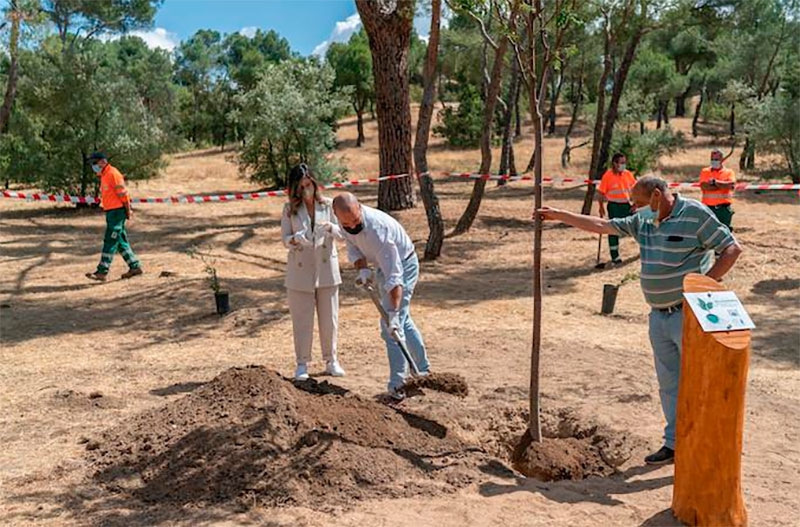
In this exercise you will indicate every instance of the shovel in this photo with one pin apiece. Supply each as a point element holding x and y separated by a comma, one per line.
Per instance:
<point>370,288</point>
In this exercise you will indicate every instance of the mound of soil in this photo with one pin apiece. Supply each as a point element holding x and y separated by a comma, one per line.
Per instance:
<point>442,382</point>
<point>250,436</point>
<point>571,449</point>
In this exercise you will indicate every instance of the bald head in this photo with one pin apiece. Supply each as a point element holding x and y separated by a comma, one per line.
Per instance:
<point>347,210</point>
<point>346,201</point>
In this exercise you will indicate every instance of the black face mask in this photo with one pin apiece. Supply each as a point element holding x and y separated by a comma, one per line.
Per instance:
<point>355,230</point>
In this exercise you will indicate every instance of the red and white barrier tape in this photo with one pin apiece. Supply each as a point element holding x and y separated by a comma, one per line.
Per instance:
<point>240,196</point>
<point>556,180</point>
<point>214,198</point>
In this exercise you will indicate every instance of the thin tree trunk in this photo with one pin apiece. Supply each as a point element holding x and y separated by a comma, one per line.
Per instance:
<point>471,212</point>
<point>388,25</point>
<point>433,248</point>
<point>680,102</point>
<point>13,69</point>
<point>733,119</point>
<point>611,116</point>
<point>551,113</point>
<point>360,126</point>
<point>507,149</point>
<point>697,109</point>
<point>597,133</point>
<point>534,422</point>
<point>517,118</point>
<point>659,114</point>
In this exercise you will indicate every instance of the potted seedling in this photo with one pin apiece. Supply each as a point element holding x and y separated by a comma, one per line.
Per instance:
<point>222,298</point>
<point>610,292</point>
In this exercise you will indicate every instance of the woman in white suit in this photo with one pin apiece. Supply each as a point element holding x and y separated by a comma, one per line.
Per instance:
<point>309,230</point>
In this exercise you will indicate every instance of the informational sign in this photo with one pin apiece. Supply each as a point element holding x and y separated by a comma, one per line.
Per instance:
<point>719,311</point>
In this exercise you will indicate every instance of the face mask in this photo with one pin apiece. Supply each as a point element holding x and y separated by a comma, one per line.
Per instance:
<point>97,169</point>
<point>355,230</point>
<point>622,167</point>
<point>308,192</point>
<point>716,163</point>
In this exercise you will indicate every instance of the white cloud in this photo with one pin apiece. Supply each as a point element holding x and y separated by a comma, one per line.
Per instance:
<point>249,31</point>
<point>342,32</point>
<point>154,38</point>
<point>345,28</point>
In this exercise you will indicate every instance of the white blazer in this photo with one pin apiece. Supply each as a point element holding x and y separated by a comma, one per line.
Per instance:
<point>317,264</point>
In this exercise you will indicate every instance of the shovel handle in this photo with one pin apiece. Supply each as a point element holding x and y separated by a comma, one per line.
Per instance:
<point>373,294</point>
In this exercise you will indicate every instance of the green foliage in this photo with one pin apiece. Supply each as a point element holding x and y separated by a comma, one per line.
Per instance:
<point>643,150</point>
<point>72,103</point>
<point>289,116</point>
<point>462,126</point>
<point>773,125</point>
<point>352,64</point>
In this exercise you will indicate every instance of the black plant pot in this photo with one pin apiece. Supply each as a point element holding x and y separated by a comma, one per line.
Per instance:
<point>609,298</point>
<point>223,302</point>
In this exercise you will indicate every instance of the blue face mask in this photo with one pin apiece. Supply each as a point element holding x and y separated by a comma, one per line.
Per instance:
<point>97,169</point>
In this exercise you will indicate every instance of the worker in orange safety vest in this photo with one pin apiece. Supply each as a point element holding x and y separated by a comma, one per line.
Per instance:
<point>117,205</point>
<point>614,192</point>
<point>717,184</point>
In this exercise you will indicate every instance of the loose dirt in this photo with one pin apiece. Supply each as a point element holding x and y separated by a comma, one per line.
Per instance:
<point>253,437</point>
<point>451,383</point>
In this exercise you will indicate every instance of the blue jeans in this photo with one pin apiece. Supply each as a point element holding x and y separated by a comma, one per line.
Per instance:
<point>666,333</point>
<point>398,368</point>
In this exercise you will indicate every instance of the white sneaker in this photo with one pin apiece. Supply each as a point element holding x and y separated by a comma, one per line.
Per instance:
<point>334,369</point>
<point>301,373</point>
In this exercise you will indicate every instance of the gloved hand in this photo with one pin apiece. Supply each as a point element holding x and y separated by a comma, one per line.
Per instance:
<point>394,321</point>
<point>299,240</point>
<point>364,276</point>
<point>323,228</point>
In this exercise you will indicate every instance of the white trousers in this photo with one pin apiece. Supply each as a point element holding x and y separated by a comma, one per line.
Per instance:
<point>325,301</point>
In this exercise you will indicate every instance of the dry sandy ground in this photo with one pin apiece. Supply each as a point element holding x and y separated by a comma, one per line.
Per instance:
<point>153,339</point>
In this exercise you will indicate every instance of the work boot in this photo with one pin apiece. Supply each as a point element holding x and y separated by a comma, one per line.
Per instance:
<point>397,394</point>
<point>664,456</point>
<point>301,373</point>
<point>334,369</point>
<point>99,277</point>
<point>132,272</point>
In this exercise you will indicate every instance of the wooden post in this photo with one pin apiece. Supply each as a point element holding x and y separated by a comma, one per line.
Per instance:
<point>708,455</point>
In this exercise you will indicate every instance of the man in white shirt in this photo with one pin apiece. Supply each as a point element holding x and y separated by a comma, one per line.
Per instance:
<point>374,237</point>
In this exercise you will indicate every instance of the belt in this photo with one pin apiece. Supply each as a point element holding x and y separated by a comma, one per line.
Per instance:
<point>670,309</point>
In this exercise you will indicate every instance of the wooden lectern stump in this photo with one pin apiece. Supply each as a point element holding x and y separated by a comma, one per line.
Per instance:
<point>708,442</point>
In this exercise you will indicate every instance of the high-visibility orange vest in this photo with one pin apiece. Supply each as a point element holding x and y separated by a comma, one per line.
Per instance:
<point>112,189</point>
<point>718,196</point>
<point>617,187</point>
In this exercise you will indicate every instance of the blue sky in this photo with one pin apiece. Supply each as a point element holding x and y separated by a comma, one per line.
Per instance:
<point>308,25</point>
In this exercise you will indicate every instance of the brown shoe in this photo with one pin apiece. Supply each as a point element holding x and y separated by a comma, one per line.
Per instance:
<point>132,272</point>
<point>99,277</point>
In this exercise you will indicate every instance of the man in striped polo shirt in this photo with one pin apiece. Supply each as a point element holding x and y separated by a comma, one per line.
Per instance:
<point>676,236</point>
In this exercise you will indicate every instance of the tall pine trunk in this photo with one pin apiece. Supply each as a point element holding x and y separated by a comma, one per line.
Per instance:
<point>433,248</point>
<point>388,25</point>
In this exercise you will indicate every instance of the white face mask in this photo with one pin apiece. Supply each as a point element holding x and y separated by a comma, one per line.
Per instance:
<point>716,163</point>
<point>308,192</point>
<point>97,169</point>
<point>622,167</point>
